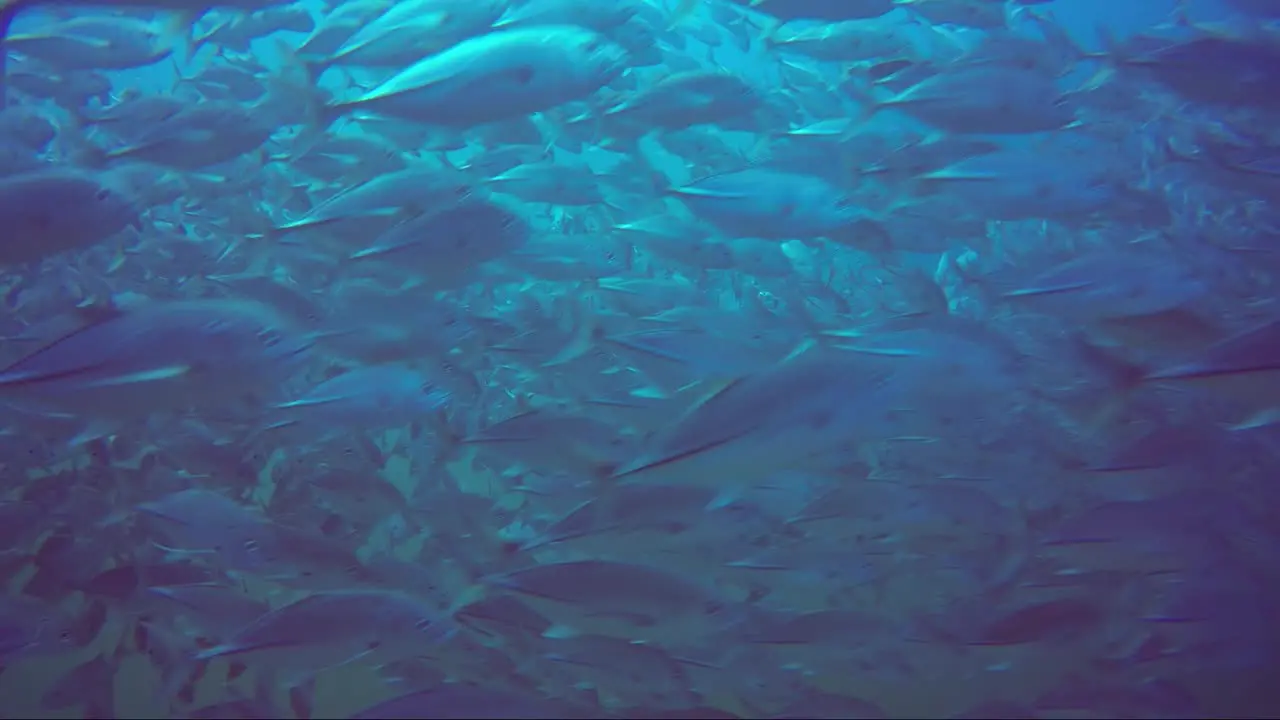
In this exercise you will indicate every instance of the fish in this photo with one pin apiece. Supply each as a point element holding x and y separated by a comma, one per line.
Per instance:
<point>327,629</point>
<point>91,683</point>
<point>821,9</point>
<point>33,628</point>
<point>767,204</point>
<point>541,358</point>
<point>446,245</point>
<point>193,138</point>
<point>367,397</point>
<point>795,413</point>
<point>635,594</point>
<point>31,205</point>
<point>406,193</point>
<point>496,76</point>
<point>184,9</point>
<point>89,43</point>
<point>458,700</point>
<point>161,357</point>
<point>410,32</point>
<point>985,100</point>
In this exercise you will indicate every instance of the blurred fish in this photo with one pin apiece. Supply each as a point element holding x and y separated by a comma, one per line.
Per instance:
<point>773,205</point>
<point>32,628</point>
<point>368,398</point>
<point>32,209</point>
<point>541,358</point>
<point>328,629</point>
<point>444,246</point>
<point>157,357</point>
<point>822,9</point>
<point>91,684</point>
<point>466,701</point>
<point>638,595</point>
<point>803,411</point>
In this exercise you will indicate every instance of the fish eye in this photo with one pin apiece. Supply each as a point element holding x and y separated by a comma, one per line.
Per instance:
<point>65,635</point>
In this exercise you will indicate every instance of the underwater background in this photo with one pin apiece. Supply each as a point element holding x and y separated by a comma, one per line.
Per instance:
<point>640,359</point>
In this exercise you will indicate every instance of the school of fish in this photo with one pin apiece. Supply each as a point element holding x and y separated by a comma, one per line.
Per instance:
<point>639,359</point>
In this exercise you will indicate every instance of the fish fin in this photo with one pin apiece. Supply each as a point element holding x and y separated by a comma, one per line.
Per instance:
<point>560,632</point>
<point>1122,378</point>
<point>1049,289</point>
<point>954,174</point>
<point>586,333</point>
<point>724,499</point>
<point>180,26</point>
<point>153,375</point>
<point>1266,417</point>
<point>280,425</point>
<point>690,191</point>
<point>182,20</point>
<point>302,697</point>
<point>311,402</point>
<point>471,595</point>
<point>881,352</point>
<point>683,11</point>
<point>95,430</point>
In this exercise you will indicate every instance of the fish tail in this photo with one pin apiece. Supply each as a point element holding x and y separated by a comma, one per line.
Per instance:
<point>1111,53</point>
<point>1122,379</point>
<point>9,10</point>
<point>195,42</point>
<point>301,698</point>
<point>180,28</point>
<point>684,10</point>
<point>90,155</point>
<point>297,78</point>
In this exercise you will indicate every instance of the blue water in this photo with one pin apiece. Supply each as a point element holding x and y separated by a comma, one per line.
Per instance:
<point>547,358</point>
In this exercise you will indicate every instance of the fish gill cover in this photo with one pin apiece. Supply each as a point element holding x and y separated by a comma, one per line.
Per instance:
<point>639,359</point>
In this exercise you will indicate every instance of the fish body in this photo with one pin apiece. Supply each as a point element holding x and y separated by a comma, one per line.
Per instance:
<point>367,398</point>
<point>196,137</point>
<point>94,44</point>
<point>413,30</point>
<point>789,416</point>
<point>330,628</point>
<point>686,99</point>
<point>33,211</point>
<point>500,75</point>
<point>824,10</point>
<point>764,203</point>
<point>446,245</point>
<point>159,356</point>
